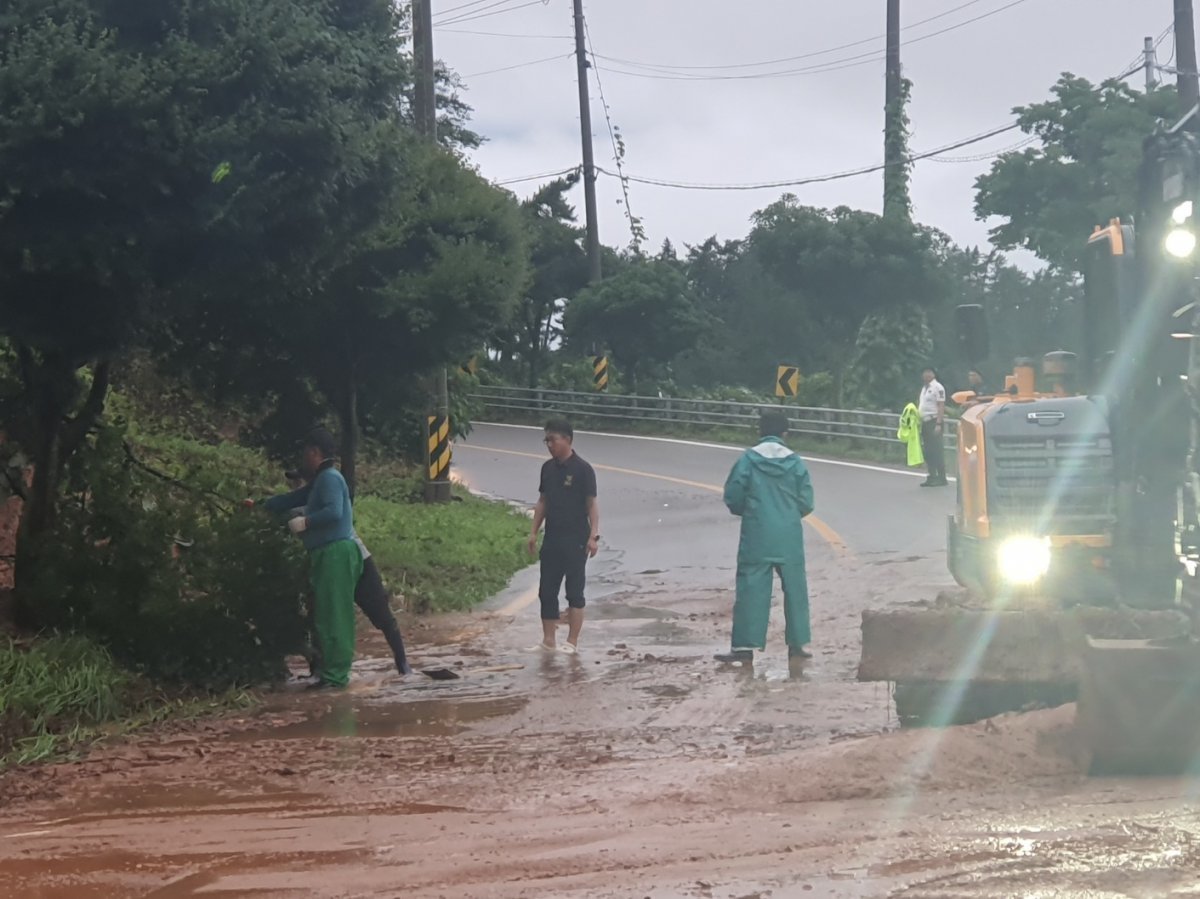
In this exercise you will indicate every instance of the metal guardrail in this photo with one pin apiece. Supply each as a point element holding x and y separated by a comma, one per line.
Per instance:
<point>877,429</point>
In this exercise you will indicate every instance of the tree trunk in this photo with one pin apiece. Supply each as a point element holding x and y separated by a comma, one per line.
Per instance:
<point>52,386</point>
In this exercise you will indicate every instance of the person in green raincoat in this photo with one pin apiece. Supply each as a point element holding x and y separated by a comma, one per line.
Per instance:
<point>770,489</point>
<point>335,560</point>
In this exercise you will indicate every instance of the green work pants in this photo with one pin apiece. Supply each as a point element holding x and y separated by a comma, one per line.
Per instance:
<point>335,570</point>
<point>752,608</point>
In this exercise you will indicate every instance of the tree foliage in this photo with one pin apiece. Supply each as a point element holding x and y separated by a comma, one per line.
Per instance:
<point>149,150</point>
<point>558,270</point>
<point>829,270</point>
<point>1081,172</point>
<point>645,315</point>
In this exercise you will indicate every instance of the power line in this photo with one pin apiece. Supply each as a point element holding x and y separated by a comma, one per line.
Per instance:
<point>612,136</point>
<point>817,179</point>
<point>541,176</point>
<point>482,14</point>
<point>851,173</point>
<point>520,65</point>
<point>809,55</point>
<point>860,59</point>
<point>980,157</point>
<point>461,6</point>
<point>552,37</point>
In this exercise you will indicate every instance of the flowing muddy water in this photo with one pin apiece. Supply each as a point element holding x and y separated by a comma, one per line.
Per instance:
<point>638,768</point>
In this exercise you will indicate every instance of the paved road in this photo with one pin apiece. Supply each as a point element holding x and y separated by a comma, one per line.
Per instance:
<point>662,511</point>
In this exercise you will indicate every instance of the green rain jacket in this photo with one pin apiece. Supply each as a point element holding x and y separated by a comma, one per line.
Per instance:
<point>910,433</point>
<point>771,490</point>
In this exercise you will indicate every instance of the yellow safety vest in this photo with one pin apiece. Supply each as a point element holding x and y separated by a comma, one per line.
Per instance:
<point>910,433</point>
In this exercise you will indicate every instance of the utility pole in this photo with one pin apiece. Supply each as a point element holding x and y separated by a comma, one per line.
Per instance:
<point>895,175</point>
<point>425,94</point>
<point>589,159</point>
<point>1150,64</point>
<point>437,449</point>
<point>1185,52</point>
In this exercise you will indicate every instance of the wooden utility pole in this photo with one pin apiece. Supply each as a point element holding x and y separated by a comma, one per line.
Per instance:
<point>425,94</point>
<point>589,159</point>
<point>437,450</point>
<point>1185,58</point>
<point>895,172</point>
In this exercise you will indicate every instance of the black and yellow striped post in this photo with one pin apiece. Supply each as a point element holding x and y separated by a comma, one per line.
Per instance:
<point>438,445</point>
<point>600,372</point>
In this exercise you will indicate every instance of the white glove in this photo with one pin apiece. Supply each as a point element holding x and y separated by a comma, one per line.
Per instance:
<point>298,524</point>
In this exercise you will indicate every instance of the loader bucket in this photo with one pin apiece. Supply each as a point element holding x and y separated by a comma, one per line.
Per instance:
<point>955,665</point>
<point>1139,706</point>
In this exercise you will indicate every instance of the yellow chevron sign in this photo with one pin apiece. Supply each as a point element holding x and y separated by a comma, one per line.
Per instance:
<point>787,380</point>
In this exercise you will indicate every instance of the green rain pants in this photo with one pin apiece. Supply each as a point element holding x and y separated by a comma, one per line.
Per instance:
<point>335,570</point>
<point>752,608</point>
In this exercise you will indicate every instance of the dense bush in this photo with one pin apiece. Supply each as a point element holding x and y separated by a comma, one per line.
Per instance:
<point>158,563</point>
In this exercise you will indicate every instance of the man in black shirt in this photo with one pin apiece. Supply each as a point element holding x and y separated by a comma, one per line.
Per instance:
<point>567,505</point>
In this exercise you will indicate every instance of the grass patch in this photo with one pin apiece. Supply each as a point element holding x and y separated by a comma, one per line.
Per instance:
<point>61,693</point>
<point>444,557</point>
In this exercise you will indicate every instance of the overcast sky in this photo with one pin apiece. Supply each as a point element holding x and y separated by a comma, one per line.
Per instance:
<point>773,127</point>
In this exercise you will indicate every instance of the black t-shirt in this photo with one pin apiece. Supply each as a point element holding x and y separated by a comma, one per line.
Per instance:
<point>567,486</point>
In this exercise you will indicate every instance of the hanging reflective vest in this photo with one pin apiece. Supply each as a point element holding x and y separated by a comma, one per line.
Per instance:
<point>910,433</point>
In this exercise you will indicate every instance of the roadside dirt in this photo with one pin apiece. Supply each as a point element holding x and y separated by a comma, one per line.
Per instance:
<point>637,768</point>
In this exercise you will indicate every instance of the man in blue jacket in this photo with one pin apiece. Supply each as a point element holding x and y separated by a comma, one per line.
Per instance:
<point>370,594</point>
<point>336,563</point>
<point>770,489</point>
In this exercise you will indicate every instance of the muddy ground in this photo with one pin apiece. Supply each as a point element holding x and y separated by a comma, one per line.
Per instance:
<point>637,768</point>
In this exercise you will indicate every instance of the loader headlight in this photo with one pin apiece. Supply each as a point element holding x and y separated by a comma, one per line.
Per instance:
<point>1180,243</point>
<point>1024,560</point>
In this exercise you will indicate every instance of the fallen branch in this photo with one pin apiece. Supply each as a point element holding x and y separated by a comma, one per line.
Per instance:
<point>216,499</point>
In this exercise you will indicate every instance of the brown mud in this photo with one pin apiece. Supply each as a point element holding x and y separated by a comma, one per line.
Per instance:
<point>638,768</point>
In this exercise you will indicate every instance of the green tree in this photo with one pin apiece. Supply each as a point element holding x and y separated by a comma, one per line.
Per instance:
<point>831,269</point>
<point>645,315</point>
<point>1081,173</point>
<point>891,349</point>
<point>558,270</point>
<point>428,272</point>
<point>151,148</point>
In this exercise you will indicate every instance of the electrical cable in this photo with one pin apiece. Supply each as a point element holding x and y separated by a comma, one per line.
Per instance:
<point>539,177</point>
<point>481,14</point>
<point>519,65</point>
<point>664,73</point>
<point>612,135</point>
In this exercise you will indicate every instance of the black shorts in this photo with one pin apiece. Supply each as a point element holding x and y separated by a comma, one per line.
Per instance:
<point>562,562</point>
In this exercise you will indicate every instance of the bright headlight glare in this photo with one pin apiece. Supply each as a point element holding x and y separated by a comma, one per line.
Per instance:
<point>1024,560</point>
<point>1180,243</point>
<point>1182,212</point>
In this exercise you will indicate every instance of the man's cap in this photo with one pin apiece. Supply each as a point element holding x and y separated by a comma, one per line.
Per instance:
<point>321,439</point>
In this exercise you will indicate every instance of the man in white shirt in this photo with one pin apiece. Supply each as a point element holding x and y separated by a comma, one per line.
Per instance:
<point>932,409</point>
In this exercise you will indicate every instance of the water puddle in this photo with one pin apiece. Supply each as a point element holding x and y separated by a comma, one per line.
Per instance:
<point>421,718</point>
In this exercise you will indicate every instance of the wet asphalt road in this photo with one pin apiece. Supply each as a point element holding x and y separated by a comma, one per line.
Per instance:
<point>662,512</point>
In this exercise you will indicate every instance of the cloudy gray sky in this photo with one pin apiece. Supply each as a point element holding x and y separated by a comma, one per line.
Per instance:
<point>782,124</point>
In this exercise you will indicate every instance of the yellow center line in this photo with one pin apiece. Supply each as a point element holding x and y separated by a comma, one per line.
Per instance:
<point>828,534</point>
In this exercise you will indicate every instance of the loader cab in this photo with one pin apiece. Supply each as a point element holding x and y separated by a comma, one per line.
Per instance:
<point>1035,480</point>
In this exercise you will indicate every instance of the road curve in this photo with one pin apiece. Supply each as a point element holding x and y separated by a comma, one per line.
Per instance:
<point>662,512</point>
